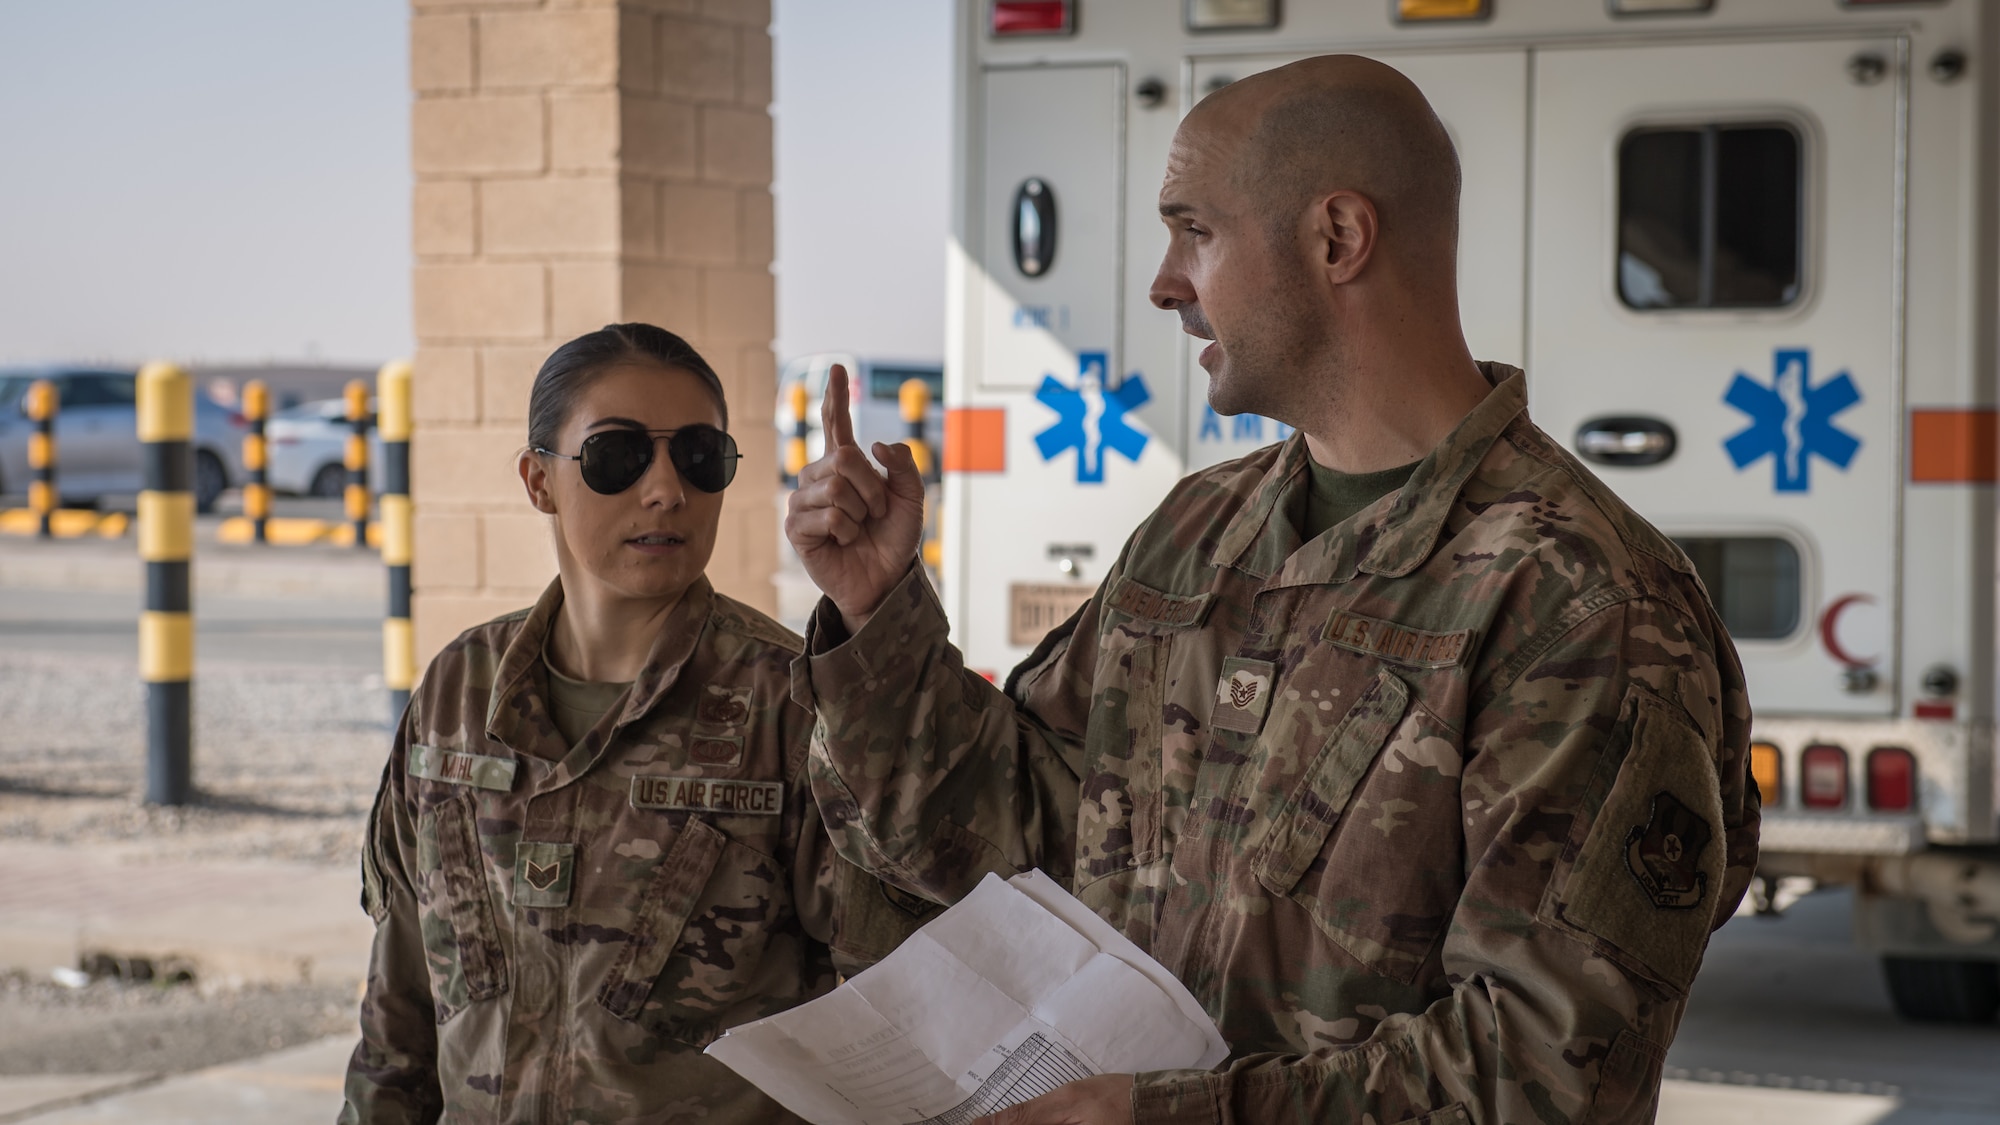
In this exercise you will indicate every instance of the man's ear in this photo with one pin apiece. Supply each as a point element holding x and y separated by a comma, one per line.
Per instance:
<point>1347,227</point>
<point>535,478</point>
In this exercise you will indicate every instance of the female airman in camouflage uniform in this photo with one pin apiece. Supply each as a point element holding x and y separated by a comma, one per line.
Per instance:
<point>595,846</point>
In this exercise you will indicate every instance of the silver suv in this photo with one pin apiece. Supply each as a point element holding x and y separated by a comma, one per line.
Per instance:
<point>97,437</point>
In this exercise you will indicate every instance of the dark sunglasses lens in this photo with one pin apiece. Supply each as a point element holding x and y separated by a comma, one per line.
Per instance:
<point>705,457</point>
<point>614,460</point>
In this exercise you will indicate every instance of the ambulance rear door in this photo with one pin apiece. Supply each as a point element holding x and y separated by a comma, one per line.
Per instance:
<point>1714,325</point>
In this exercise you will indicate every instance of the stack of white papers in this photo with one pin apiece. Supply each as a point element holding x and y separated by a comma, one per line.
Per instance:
<point>1013,992</point>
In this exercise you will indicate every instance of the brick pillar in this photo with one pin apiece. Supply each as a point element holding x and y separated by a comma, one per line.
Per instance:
<point>579,163</point>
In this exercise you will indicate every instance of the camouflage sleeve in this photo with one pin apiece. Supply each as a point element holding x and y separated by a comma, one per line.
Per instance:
<point>1609,826</point>
<point>392,1075</point>
<point>926,773</point>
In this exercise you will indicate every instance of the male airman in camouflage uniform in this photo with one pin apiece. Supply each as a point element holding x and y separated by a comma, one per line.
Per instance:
<point>560,930</point>
<point>1434,810</point>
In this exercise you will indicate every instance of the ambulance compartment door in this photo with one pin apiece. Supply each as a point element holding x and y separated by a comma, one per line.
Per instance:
<point>1714,326</point>
<point>1482,98</point>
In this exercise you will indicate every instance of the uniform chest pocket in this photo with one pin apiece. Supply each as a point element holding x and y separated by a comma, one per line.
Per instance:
<point>1118,823</point>
<point>698,936</point>
<point>455,909</point>
<point>1346,850</point>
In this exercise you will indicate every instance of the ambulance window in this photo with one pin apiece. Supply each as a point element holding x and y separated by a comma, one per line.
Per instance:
<point>1755,583</point>
<point>1709,217</point>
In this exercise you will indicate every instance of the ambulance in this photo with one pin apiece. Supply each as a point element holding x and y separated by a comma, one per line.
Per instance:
<point>1748,252</point>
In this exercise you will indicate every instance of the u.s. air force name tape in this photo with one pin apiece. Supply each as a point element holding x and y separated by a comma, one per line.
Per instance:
<point>695,794</point>
<point>435,763</point>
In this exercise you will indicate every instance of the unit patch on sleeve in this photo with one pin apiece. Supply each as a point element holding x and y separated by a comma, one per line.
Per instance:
<point>1242,695</point>
<point>434,763</point>
<point>697,794</point>
<point>1397,643</point>
<point>1664,853</point>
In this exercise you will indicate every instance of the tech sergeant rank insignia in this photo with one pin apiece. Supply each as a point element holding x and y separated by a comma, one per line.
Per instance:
<point>1664,853</point>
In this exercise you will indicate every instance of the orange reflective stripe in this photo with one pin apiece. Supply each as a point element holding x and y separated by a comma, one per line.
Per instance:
<point>975,440</point>
<point>1954,446</point>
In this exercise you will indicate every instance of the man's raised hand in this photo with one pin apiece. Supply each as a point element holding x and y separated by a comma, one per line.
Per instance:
<point>855,529</point>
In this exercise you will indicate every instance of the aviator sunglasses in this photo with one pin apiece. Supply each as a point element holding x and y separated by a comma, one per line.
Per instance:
<point>614,460</point>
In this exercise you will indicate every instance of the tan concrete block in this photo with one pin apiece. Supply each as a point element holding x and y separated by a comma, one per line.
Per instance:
<point>657,136</point>
<point>555,215</point>
<point>738,304</point>
<point>520,549</point>
<point>457,136</point>
<point>506,376</point>
<point>480,300</point>
<point>575,47</point>
<point>472,466</point>
<point>583,297</point>
<point>698,223</point>
<point>436,5</point>
<point>756,373</point>
<point>697,60</point>
<point>669,296</point>
<point>441,617</point>
<point>445,385</point>
<point>756,228</point>
<point>441,52</point>
<point>753,68</point>
<point>638,49</point>
<point>736,146</point>
<point>583,130</point>
<point>447,551</point>
<point>444,218</point>
<point>748,13</point>
<point>640,207</point>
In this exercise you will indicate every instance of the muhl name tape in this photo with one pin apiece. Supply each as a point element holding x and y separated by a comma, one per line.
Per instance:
<point>694,794</point>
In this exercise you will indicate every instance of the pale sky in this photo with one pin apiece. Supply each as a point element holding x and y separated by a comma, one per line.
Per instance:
<point>228,180</point>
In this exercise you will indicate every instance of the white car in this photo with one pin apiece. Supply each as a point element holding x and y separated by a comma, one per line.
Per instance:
<point>307,447</point>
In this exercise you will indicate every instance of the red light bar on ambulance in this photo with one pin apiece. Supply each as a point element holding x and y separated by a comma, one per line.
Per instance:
<point>1033,17</point>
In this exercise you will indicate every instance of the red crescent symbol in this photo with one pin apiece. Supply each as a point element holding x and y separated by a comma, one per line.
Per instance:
<point>1829,630</point>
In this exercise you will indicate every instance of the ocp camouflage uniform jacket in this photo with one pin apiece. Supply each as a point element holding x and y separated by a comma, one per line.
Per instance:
<point>559,932</point>
<point>1434,813</point>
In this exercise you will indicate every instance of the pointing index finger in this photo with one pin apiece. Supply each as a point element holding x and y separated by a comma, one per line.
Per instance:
<point>834,418</point>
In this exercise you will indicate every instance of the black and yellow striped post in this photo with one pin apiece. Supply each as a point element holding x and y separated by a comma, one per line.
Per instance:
<point>166,543</point>
<point>256,460</point>
<point>357,461</point>
<point>795,446</point>
<point>914,398</point>
<point>399,640</point>
<point>41,404</point>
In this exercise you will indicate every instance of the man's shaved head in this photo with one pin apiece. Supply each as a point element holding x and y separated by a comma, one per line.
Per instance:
<point>1342,122</point>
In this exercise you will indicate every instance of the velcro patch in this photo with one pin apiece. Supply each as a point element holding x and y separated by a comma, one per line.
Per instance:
<point>1143,602</point>
<point>715,751</point>
<point>543,873</point>
<point>723,706</point>
<point>697,794</point>
<point>1242,695</point>
<point>1397,643</point>
<point>434,763</point>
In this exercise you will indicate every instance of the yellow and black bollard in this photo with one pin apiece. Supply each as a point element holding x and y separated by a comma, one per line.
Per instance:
<point>166,543</point>
<point>914,397</point>
<point>795,446</point>
<point>357,461</point>
<point>42,404</point>
<point>399,640</point>
<point>256,460</point>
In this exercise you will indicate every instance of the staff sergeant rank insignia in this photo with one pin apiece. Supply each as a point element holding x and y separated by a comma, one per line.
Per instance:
<point>695,794</point>
<point>1664,854</point>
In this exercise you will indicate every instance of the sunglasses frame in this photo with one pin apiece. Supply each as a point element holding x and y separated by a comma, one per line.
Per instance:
<point>654,437</point>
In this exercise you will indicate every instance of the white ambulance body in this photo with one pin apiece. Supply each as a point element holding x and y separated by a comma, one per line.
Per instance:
<point>1746,252</point>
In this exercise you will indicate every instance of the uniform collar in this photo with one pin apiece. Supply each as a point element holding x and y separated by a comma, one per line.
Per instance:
<point>518,716</point>
<point>1391,538</point>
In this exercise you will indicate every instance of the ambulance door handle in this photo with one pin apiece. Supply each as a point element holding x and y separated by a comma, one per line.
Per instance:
<point>1034,227</point>
<point>1626,441</point>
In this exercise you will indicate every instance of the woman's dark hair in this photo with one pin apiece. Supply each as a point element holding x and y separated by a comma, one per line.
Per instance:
<point>570,368</point>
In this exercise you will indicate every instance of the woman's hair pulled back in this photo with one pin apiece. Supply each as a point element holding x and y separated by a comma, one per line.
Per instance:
<point>570,368</point>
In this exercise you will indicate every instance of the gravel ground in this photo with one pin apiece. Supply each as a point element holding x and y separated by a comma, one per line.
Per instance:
<point>286,760</point>
<point>112,1028</point>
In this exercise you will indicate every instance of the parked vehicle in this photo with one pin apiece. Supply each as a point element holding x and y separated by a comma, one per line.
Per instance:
<point>876,407</point>
<point>1746,255</point>
<point>98,454</point>
<point>308,449</point>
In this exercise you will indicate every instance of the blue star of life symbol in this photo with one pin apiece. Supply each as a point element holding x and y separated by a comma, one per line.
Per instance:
<point>1091,419</point>
<point>1791,421</point>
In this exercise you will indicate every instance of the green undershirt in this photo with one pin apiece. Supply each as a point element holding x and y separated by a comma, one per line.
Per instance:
<point>578,705</point>
<point>1334,498</point>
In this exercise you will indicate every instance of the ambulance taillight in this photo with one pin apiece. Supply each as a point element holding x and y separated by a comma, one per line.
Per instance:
<point>1892,779</point>
<point>1823,777</point>
<point>1424,11</point>
<point>1033,17</point>
<point>1767,767</point>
